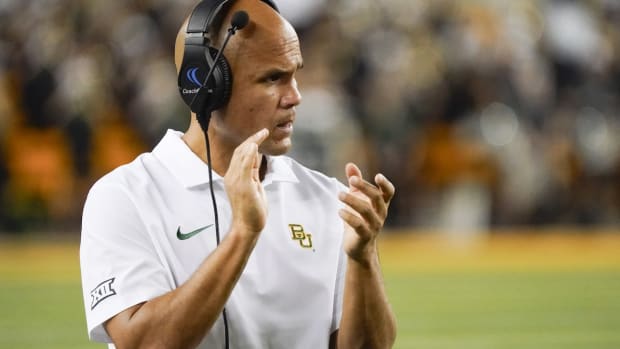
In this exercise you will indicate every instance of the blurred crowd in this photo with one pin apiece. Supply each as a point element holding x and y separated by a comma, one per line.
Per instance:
<point>484,113</point>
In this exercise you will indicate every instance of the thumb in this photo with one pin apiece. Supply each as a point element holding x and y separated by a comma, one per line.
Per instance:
<point>353,171</point>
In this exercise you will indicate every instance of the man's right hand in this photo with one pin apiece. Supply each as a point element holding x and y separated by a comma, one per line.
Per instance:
<point>182,317</point>
<point>244,188</point>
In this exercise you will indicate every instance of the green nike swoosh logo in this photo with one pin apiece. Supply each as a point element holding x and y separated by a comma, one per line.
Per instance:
<point>182,236</point>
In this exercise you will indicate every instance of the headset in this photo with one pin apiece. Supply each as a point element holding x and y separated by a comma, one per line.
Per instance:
<point>205,78</point>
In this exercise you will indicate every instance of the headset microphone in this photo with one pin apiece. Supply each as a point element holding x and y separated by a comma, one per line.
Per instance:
<point>239,20</point>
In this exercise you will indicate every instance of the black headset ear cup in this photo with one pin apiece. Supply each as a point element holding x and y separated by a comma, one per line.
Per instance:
<point>199,57</point>
<point>221,83</point>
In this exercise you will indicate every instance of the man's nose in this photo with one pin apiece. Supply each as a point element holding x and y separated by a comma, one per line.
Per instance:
<point>292,97</point>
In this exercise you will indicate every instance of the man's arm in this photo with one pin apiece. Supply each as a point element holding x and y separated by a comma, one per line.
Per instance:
<point>367,318</point>
<point>182,317</point>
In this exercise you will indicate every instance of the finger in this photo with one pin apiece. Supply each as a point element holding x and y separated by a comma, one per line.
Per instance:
<point>249,147</point>
<point>258,138</point>
<point>355,222</point>
<point>364,209</point>
<point>372,192</point>
<point>352,170</point>
<point>246,154</point>
<point>386,187</point>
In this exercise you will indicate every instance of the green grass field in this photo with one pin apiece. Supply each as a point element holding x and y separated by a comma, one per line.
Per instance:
<point>502,293</point>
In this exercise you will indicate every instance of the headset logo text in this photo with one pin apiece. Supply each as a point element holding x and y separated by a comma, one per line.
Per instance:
<point>192,77</point>
<point>298,234</point>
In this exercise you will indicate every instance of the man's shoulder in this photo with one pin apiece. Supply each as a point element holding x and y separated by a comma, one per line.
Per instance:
<point>145,166</point>
<point>126,175</point>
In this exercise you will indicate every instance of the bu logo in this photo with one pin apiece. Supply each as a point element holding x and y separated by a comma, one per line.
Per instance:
<point>298,233</point>
<point>101,292</point>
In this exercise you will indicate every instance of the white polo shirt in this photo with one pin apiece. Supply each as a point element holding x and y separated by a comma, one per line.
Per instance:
<point>148,225</point>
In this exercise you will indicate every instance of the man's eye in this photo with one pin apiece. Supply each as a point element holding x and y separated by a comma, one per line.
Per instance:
<point>274,77</point>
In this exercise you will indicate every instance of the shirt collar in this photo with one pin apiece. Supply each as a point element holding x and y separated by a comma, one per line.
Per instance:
<point>191,171</point>
<point>279,170</point>
<point>179,159</point>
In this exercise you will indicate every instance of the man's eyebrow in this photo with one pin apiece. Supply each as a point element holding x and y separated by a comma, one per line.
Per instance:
<point>272,71</point>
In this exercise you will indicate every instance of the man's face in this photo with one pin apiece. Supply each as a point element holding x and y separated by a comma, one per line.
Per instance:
<point>264,93</point>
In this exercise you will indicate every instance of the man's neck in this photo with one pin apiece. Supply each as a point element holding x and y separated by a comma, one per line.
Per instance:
<point>220,155</point>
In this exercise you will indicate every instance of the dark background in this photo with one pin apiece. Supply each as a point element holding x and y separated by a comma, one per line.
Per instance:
<point>485,114</point>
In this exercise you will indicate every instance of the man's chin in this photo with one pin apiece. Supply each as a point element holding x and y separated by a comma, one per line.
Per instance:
<point>276,148</point>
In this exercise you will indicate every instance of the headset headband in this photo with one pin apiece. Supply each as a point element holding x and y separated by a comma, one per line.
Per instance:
<point>206,11</point>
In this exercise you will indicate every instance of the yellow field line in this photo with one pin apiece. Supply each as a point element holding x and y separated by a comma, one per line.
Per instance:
<point>400,252</point>
<point>501,251</point>
<point>36,260</point>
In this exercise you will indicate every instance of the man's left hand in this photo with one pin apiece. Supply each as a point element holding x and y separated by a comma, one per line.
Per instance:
<point>367,208</point>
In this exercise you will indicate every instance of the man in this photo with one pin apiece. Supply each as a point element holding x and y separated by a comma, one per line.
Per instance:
<point>297,265</point>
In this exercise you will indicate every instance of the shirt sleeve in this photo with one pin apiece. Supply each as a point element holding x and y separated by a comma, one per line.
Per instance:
<point>119,263</point>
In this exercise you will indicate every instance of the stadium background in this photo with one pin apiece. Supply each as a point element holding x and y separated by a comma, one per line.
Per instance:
<point>498,121</point>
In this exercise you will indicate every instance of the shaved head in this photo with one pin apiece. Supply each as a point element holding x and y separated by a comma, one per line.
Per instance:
<point>265,27</point>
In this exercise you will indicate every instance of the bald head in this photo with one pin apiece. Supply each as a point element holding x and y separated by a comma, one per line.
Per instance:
<point>266,27</point>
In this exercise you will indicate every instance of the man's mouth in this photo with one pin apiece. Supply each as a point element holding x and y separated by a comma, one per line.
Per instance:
<point>285,125</point>
<point>283,129</point>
